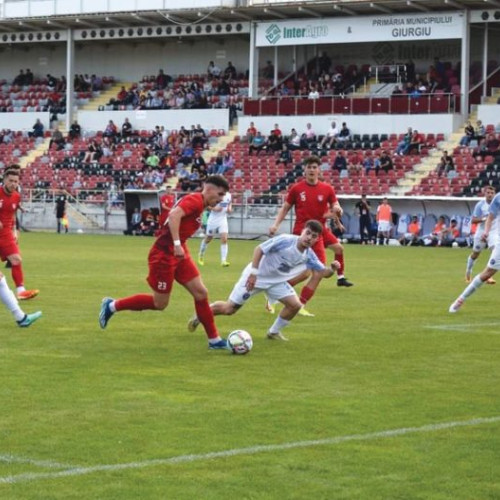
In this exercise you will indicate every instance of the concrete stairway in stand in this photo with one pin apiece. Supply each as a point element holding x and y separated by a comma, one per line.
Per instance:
<point>105,96</point>
<point>39,150</point>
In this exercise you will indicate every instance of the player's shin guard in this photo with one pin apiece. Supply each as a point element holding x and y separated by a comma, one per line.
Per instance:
<point>206,317</point>
<point>306,294</point>
<point>141,302</point>
<point>340,258</point>
<point>17,275</point>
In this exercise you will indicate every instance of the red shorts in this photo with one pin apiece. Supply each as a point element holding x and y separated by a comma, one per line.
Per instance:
<point>165,268</point>
<point>326,239</point>
<point>8,248</point>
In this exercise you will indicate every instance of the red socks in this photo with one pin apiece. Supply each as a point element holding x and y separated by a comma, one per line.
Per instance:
<point>340,258</point>
<point>140,302</point>
<point>17,275</point>
<point>306,294</point>
<point>206,317</point>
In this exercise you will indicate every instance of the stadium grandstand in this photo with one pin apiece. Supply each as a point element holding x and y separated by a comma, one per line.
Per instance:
<point>223,67</point>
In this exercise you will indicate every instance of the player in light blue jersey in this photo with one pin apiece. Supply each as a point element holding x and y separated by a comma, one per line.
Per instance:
<point>494,261</point>
<point>274,263</point>
<point>479,215</point>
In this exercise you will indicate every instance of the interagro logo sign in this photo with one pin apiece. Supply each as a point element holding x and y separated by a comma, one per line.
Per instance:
<point>274,32</point>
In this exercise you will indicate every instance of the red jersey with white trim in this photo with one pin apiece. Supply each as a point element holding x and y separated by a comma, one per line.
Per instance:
<point>311,201</point>
<point>192,206</point>
<point>9,203</point>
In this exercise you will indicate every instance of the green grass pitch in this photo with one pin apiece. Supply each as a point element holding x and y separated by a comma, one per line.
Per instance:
<point>383,395</point>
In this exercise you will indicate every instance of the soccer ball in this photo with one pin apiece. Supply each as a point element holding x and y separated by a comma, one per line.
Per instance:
<point>454,244</point>
<point>240,341</point>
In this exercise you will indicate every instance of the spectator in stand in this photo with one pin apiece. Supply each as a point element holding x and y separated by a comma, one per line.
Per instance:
<point>268,71</point>
<point>293,141</point>
<point>126,129</point>
<point>75,131</point>
<point>397,91</point>
<point>489,146</point>
<point>412,235</point>
<point>324,64</point>
<point>445,164</point>
<point>38,129</point>
<point>162,80</point>
<point>111,130</point>
<point>199,140</point>
<point>153,160</point>
<point>285,156</point>
<point>227,163</point>
<point>57,139</point>
<point>404,145</point>
<point>469,134</point>
<point>108,147</point>
<point>368,164</point>
<point>415,142</point>
<point>344,134</point>
<point>230,71</point>
<point>314,93</point>
<point>251,132</point>
<point>258,144</point>
<point>93,153</point>
<point>340,162</point>
<point>308,138</point>
<point>51,82</point>
<point>385,162</point>
<point>20,79</point>
<point>480,133</point>
<point>213,70</point>
<point>275,139</point>
<point>199,161</point>
<point>330,137</point>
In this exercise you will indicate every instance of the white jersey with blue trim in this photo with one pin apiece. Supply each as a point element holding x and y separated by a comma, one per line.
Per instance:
<point>218,216</point>
<point>481,210</point>
<point>283,261</point>
<point>495,210</point>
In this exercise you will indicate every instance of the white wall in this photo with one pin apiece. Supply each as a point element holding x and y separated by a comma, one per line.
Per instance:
<point>23,121</point>
<point>147,120</point>
<point>489,114</point>
<point>127,61</point>
<point>359,124</point>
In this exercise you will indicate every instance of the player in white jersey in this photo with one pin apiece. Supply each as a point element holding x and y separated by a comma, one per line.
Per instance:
<point>479,215</point>
<point>494,261</point>
<point>217,224</point>
<point>275,262</point>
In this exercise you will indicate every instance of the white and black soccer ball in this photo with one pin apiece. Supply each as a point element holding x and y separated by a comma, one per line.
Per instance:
<point>240,341</point>
<point>454,244</point>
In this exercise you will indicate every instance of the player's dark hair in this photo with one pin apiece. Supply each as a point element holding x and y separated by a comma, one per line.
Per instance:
<point>312,159</point>
<point>314,226</point>
<point>218,180</point>
<point>13,169</point>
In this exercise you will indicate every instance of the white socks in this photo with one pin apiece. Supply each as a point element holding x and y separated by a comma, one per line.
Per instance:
<point>224,248</point>
<point>472,287</point>
<point>470,265</point>
<point>9,299</point>
<point>278,325</point>
<point>203,248</point>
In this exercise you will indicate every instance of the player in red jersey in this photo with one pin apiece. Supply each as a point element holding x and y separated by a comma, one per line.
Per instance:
<point>167,202</point>
<point>314,199</point>
<point>169,260</point>
<point>10,202</point>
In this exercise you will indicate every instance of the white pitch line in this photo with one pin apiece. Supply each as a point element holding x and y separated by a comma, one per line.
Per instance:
<point>253,450</point>
<point>463,327</point>
<point>48,464</point>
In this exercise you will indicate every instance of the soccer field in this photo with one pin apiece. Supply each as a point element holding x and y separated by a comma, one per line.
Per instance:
<point>382,395</point>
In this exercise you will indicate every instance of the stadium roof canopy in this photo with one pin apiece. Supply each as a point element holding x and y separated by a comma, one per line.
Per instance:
<point>247,11</point>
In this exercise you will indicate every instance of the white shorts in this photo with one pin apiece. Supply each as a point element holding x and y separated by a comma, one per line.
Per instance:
<point>494,260</point>
<point>479,245</point>
<point>217,227</point>
<point>275,292</point>
<point>384,226</point>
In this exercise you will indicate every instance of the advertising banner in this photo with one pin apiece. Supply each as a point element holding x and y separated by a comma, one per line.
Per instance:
<point>384,28</point>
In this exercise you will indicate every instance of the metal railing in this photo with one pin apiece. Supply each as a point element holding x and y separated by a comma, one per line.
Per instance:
<point>394,104</point>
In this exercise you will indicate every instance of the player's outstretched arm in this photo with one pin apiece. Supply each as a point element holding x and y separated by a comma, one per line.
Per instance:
<point>174,223</point>
<point>285,208</point>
